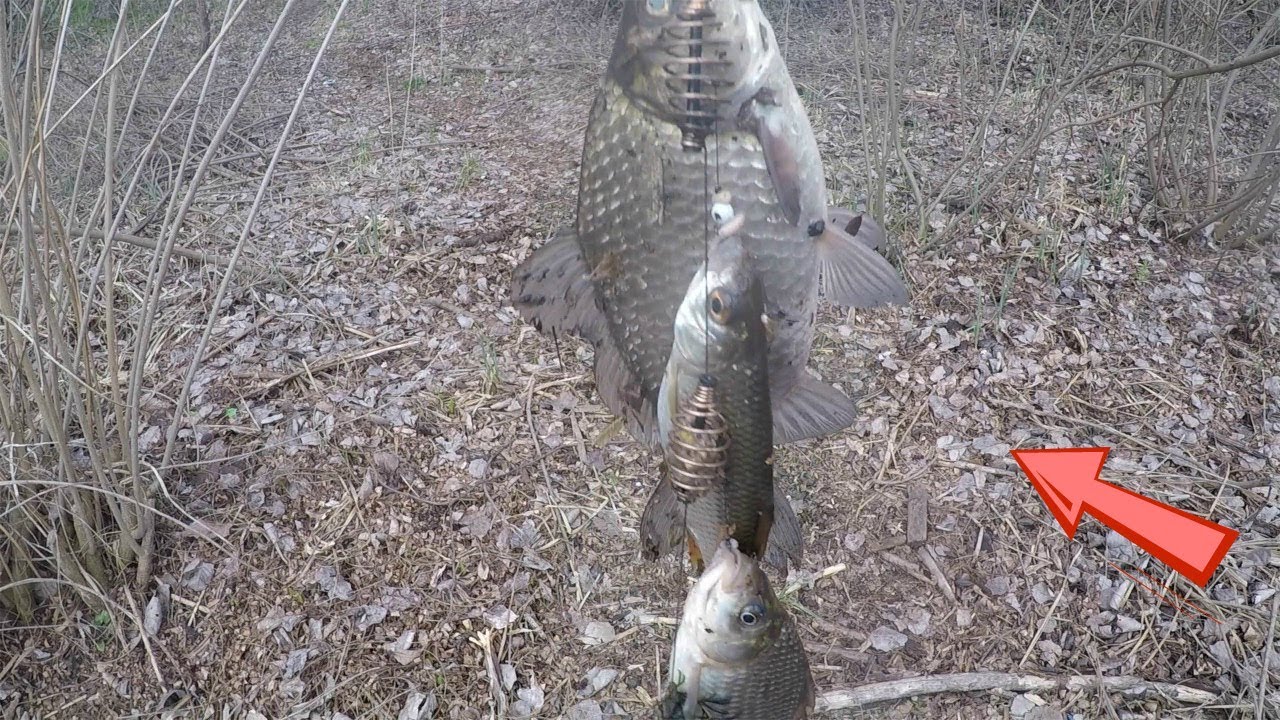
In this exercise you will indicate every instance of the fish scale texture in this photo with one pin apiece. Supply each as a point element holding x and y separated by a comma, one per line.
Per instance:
<point>642,208</point>
<point>742,389</point>
<point>775,685</point>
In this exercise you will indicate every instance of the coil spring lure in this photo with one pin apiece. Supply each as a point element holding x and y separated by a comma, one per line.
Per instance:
<point>690,72</point>
<point>699,444</point>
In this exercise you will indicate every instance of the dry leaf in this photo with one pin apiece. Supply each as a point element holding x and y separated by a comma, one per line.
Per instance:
<point>418,706</point>
<point>197,575</point>
<point>327,577</point>
<point>886,639</point>
<point>499,617</point>
<point>597,633</point>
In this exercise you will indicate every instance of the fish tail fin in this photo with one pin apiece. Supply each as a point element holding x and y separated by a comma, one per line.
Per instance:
<point>552,290</point>
<point>785,539</point>
<point>810,408</point>
<point>853,273</point>
<point>662,529</point>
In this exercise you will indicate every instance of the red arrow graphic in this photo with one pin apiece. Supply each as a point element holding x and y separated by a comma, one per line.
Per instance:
<point>1068,481</point>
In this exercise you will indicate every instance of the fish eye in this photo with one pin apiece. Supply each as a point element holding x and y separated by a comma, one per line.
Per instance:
<point>752,615</point>
<point>719,306</point>
<point>658,6</point>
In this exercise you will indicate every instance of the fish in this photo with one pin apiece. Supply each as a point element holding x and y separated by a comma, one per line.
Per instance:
<point>720,340</point>
<point>736,653</point>
<point>697,119</point>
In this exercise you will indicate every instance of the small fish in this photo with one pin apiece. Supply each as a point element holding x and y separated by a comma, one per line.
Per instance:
<point>697,123</point>
<point>721,341</point>
<point>737,654</point>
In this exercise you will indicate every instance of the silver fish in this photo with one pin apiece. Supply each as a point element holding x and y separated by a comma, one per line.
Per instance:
<point>720,342</point>
<point>737,654</point>
<point>697,117</point>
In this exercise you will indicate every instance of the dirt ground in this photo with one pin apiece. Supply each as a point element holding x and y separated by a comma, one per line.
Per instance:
<point>405,512</point>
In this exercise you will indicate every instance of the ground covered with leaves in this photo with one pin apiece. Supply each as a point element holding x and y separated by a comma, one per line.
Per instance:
<point>403,509</point>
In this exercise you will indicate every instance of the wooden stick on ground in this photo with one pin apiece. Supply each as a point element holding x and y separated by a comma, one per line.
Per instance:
<point>857,697</point>
<point>917,515</point>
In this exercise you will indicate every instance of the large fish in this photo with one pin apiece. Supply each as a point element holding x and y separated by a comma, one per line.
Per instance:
<point>720,340</point>
<point>737,654</point>
<point>697,117</point>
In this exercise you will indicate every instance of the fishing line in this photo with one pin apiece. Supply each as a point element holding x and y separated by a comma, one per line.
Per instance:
<point>706,296</point>
<point>706,231</point>
<point>713,128</point>
<point>700,115</point>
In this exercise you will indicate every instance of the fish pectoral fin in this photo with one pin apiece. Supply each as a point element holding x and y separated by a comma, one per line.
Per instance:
<point>786,540</point>
<point>858,225</point>
<point>672,705</point>
<point>669,397</point>
<point>692,693</point>
<point>695,553</point>
<point>718,708</point>
<point>552,290</point>
<point>811,408</point>
<point>661,525</point>
<point>781,159</point>
<point>853,273</point>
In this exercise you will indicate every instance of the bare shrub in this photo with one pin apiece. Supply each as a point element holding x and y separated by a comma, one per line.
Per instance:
<point>1178,100</point>
<point>102,163</point>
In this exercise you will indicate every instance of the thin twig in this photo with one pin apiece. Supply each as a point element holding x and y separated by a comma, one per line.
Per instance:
<point>333,362</point>
<point>147,243</point>
<point>939,577</point>
<point>858,697</point>
<point>1266,657</point>
<point>447,307</point>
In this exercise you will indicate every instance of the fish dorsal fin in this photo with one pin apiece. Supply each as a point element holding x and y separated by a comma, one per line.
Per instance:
<point>810,408</point>
<point>853,273</point>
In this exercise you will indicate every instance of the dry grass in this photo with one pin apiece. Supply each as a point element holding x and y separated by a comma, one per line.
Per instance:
<point>401,504</point>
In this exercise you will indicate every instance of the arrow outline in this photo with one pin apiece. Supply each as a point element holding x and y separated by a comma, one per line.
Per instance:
<point>1062,509</point>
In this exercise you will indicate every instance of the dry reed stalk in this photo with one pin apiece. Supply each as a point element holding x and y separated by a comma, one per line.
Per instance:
<point>83,324</point>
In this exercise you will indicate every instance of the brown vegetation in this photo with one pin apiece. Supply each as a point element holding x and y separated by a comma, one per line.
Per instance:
<point>276,443</point>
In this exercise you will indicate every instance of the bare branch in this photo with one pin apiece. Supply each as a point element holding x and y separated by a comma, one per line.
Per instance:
<point>865,695</point>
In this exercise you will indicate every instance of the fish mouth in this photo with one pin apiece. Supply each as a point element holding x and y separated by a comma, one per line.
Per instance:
<point>734,571</point>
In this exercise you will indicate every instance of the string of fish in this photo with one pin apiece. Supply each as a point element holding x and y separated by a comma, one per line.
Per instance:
<point>699,441</point>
